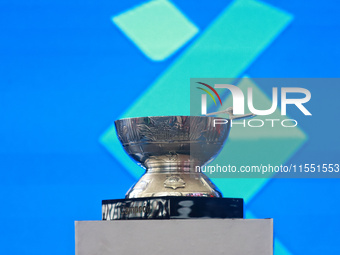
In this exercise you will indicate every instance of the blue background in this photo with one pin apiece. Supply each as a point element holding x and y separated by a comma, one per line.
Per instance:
<point>66,72</point>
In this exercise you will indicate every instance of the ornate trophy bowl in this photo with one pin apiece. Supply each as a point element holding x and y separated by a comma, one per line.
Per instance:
<point>171,148</point>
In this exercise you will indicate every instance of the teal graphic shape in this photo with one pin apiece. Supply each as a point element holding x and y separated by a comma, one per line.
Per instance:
<point>247,146</point>
<point>228,46</point>
<point>157,28</point>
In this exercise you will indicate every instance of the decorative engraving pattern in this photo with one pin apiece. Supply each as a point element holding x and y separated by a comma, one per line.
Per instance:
<point>170,128</point>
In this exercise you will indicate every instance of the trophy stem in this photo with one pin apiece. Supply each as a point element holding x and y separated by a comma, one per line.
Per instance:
<point>174,176</point>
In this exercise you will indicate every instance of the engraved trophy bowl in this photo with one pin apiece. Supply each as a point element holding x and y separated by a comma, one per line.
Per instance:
<point>170,148</point>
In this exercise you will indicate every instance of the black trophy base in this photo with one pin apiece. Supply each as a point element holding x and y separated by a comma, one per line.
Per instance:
<point>172,208</point>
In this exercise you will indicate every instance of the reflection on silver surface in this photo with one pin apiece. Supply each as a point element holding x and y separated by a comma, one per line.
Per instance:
<point>169,148</point>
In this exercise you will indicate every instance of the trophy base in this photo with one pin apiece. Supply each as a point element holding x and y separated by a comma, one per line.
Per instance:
<point>171,207</point>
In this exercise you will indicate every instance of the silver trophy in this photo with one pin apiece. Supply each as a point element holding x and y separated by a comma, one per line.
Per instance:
<point>170,149</point>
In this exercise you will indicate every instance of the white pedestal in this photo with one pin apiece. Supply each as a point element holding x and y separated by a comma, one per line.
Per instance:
<point>165,237</point>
